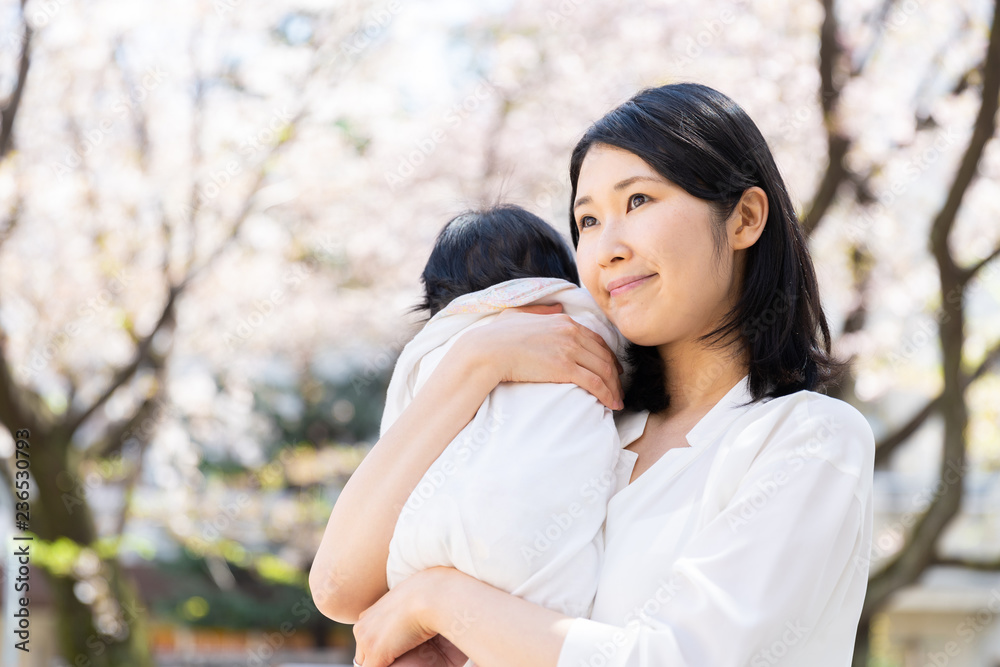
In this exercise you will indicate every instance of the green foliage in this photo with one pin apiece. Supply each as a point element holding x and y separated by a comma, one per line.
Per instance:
<point>347,410</point>
<point>253,603</point>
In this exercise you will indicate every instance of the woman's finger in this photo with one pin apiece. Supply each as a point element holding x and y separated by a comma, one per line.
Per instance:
<point>586,331</point>
<point>428,654</point>
<point>597,338</point>
<point>595,373</point>
<point>359,654</point>
<point>538,309</point>
<point>451,654</point>
<point>598,358</point>
<point>526,347</point>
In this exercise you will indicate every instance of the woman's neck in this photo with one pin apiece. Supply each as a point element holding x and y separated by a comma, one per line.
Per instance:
<point>696,378</point>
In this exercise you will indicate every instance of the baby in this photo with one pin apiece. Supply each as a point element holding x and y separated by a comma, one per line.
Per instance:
<point>518,499</point>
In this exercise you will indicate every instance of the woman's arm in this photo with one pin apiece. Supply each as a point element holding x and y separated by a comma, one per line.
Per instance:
<point>349,571</point>
<point>348,574</point>
<point>491,627</point>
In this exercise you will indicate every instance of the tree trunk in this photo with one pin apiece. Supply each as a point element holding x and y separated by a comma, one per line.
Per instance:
<point>111,630</point>
<point>79,641</point>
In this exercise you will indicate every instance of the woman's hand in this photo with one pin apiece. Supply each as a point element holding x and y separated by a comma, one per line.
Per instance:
<point>397,626</point>
<point>435,652</point>
<point>523,346</point>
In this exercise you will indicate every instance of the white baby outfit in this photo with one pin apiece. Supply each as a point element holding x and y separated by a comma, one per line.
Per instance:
<point>518,499</point>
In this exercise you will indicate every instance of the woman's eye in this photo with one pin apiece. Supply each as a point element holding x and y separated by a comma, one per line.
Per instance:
<point>585,220</point>
<point>636,200</point>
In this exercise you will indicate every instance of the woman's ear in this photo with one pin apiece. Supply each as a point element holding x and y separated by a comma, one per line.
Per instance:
<point>746,224</point>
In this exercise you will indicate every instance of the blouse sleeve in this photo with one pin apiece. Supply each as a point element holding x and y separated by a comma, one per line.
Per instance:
<point>763,574</point>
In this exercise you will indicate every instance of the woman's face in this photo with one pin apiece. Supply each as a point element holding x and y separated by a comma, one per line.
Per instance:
<point>645,251</point>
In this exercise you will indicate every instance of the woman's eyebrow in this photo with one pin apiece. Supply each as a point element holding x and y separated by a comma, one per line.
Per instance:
<point>621,185</point>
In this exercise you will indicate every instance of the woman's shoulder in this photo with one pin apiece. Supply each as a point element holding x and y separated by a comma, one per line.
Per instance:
<point>808,424</point>
<point>816,407</point>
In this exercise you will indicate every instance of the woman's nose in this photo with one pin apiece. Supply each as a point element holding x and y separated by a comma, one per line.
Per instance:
<point>612,244</point>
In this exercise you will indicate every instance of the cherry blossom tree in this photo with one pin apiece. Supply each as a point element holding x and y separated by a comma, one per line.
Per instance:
<point>217,211</point>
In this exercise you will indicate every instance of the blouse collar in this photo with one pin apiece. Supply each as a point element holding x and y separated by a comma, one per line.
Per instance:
<point>722,413</point>
<point>632,424</point>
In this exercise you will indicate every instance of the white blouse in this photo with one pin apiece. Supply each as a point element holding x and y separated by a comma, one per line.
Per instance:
<point>750,547</point>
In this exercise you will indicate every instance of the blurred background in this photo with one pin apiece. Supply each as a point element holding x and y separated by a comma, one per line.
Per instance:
<point>214,213</point>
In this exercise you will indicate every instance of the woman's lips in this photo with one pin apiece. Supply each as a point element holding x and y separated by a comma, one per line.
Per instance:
<point>630,285</point>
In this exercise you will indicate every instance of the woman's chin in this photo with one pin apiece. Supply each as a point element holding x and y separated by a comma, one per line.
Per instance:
<point>640,337</point>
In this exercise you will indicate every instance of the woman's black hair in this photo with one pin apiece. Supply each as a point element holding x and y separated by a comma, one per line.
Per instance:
<point>483,247</point>
<point>704,142</point>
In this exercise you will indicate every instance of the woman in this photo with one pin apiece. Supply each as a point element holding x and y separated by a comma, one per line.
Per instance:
<point>741,528</point>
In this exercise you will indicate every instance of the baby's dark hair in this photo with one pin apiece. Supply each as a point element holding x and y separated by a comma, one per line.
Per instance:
<point>482,247</point>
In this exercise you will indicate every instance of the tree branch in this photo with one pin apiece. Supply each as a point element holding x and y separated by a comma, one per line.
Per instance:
<point>138,112</point>
<point>198,109</point>
<point>878,22</point>
<point>15,217</point>
<point>981,565</point>
<point>981,134</point>
<point>891,442</point>
<point>919,550</point>
<point>968,273</point>
<point>143,348</point>
<point>829,94</point>
<point>124,374</point>
<point>15,413</point>
<point>8,113</point>
<point>247,205</point>
<point>836,173</point>
<point>116,435</point>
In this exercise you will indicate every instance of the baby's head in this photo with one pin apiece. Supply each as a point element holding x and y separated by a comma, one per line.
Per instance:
<point>480,248</point>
